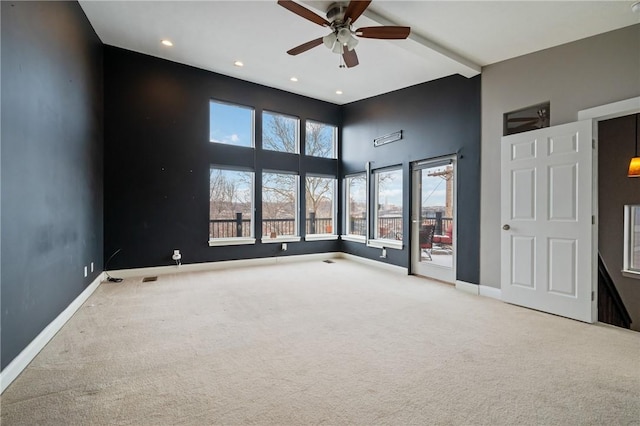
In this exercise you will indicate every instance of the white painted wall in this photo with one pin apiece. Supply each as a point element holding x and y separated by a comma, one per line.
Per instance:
<point>590,72</point>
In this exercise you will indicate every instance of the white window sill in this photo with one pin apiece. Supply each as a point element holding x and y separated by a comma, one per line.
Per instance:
<point>320,237</point>
<point>283,239</point>
<point>631,274</point>
<point>391,244</point>
<point>354,238</point>
<point>231,241</point>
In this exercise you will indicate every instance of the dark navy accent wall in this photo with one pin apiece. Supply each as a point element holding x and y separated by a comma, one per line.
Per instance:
<point>437,118</point>
<point>158,155</point>
<point>51,167</point>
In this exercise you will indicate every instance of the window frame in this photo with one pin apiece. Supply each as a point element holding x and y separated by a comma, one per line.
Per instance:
<point>239,106</point>
<point>377,241</point>
<point>334,191</point>
<point>296,209</point>
<point>334,139</point>
<point>348,236</point>
<point>296,131</point>
<point>226,241</point>
<point>631,211</point>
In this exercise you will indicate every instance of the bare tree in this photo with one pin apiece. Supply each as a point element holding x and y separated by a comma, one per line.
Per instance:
<point>278,195</point>
<point>356,204</point>
<point>227,195</point>
<point>319,191</point>
<point>279,133</point>
<point>319,139</point>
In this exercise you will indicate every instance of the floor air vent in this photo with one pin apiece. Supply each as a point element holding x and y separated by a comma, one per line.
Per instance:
<point>147,279</point>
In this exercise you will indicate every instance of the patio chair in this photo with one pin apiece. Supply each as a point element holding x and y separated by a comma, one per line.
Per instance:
<point>426,240</point>
<point>444,242</point>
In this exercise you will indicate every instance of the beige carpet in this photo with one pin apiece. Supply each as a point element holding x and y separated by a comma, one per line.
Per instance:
<point>318,343</point>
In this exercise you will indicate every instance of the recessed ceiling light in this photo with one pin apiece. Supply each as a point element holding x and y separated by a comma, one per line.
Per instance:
<point>636,7</point>
<point>294,79</point>
<point>167,42</point>
<point>338,92</point>
<point>238,64</point>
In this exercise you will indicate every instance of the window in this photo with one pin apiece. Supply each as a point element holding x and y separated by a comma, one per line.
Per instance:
<point>279,205</point>
<point>319,202</point>
<point>631,262</point>
<point>230,206</point>
<point>230,124</point>
<point>320,140</point>
<point>388,212</point>
<point>356,208</point>
<point>280,133</point>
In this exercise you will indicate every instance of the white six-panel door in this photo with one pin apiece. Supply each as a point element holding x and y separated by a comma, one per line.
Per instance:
<point>546,212</point>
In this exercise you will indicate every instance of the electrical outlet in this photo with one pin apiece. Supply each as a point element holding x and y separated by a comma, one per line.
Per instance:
<point>91,266</point>
<point>176,255</point>
<point>384,253</point>
<point>85,272</point>
<point>284,246</point>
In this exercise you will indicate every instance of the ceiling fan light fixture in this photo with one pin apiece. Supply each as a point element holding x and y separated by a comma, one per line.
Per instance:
<point>329,40</point>
<point>338,48</point>
<point>344,35</point>
<point>352,43</point>
<point>345,38</point>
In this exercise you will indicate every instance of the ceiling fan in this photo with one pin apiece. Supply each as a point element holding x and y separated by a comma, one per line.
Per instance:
<point>341,40</point>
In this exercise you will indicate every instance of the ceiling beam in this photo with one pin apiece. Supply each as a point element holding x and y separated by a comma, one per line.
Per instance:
<point>468,67</point>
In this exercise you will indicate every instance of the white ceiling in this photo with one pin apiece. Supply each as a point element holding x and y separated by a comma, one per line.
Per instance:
<point>447,37</point>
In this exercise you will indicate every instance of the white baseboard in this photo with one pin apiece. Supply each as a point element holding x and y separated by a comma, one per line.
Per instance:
<point>214,266</point>
<point>467,287</point>
<point>370,262</point>
<point>492,292</point>
<point>479,290</point>
<point>24,358</point>
<point>243,263</point>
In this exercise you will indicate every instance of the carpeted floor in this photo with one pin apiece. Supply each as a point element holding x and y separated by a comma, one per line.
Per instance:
<point>318,343</point>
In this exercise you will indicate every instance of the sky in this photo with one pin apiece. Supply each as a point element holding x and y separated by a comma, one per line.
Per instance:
<point>390,188</point>
<point>434,190</point>
<point>230,124</point>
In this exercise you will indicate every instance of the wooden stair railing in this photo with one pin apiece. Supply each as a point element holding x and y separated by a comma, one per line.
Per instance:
<point>611,309</point>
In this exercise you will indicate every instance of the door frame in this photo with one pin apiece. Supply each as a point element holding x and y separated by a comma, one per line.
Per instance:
<point>414,249</point>
<point>597,114</point>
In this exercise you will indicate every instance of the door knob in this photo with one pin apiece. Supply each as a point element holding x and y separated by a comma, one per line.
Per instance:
<point>506,227</point>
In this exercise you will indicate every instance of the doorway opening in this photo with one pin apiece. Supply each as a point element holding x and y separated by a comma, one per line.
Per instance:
<point>433,205</point>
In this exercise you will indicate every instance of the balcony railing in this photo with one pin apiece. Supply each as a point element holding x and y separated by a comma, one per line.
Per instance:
<point>389,227</point>
<point>241,227</point>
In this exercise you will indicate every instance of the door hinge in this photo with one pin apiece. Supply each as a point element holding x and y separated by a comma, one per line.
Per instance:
<point>593,220</point>
<point>593,144</point>
<point>593,295</point>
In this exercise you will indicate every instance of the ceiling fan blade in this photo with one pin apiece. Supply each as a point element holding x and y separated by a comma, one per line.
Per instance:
<point>350,58</point>
<point>355,9</point>
<point>529,124</point>
<point>303,12</point>
<point>306,46</point>
<point>395,33</point>
<point>520,119</point>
